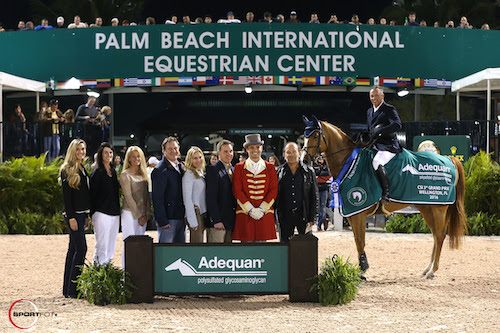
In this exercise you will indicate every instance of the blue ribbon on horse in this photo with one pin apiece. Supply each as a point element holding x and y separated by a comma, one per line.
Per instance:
<point>336,200</point>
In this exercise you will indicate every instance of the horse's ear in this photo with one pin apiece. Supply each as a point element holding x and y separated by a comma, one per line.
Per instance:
<point>304,119</point>
<point>315,119</point>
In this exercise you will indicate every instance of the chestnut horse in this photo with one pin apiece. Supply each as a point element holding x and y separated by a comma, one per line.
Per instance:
<point>338,146</point>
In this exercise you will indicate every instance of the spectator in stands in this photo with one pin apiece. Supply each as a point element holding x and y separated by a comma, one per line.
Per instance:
<point>52,119</point>
<point>383,21</point>
<point>230,18</point>
<point>125,23</point>
<point>186,19</point>
<point>21,25</point>
<point>69,116</point>
<point>280,18</point>
<point>464,24</point>
<point>268,18</point>
<point>323,179</point>
<point>44,25</point>
<point>274,160</point>
<point>150,21</point>
<point>115,22</point>
<point>243,157</point>
<point>371,21</point>
<point>213,159</point>
<point>77,23</point>
<point>98,22</point>
<point>208,19</point>
<point>412,20</point>
<point>393,22</point>
<point>333,19</point>
<point>60,23</point>
<point>172,20</point>
<point>1,27</point>
<point>355,20</point>
<point>29,26</point>
<point>423,23</point>
<point>86,117</point>
<point>133,24</point>
<point>450,24</point>
<point>436,24</point>
<point>293,17</point>
<point>314,18</point>
<point>249,18</point>
<point>485,26</point>
<point>20,130</point>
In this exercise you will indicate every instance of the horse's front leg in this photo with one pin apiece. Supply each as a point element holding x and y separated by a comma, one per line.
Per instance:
<point>358,225</point>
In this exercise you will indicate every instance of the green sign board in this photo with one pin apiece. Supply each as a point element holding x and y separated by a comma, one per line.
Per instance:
<point>221,269</point>
<point>458,146</point>
<point>264,131</point>
<point>171,52</point>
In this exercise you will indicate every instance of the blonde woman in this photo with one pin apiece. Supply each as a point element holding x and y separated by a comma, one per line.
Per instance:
<point>136,203</point>
<point>193,194</point>
<point>75,183</point>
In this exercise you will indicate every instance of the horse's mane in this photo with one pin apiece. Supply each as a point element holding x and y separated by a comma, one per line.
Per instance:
<point>336,129</point>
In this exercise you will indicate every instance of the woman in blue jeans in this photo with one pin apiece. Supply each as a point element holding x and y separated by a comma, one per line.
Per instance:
<point>75,183</point>
<point>323,178</point>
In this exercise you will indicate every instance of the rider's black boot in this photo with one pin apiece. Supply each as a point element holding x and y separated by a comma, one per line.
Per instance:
<point>383,178</point>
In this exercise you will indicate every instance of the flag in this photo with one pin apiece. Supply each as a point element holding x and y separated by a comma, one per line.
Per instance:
<point>432,83</point>
<point>169,81</point>
<point>119,83</point>
<point>240,79</point>
<point>321,80</point>
<point>226,80</point>
<point>130,82</point>
<point>104,83</point>
<point>387,81</point>
<point>309,80</point>
<point>279,80</point>
<point>376,81</point>
<point>293,79</point>
<point>349,81</point>
<point>419,82</point>
<point>199,80</point>
<point>213,80</point>
<point>403,81</point>
<point>89,83</point>
<point>185,81</point>
<point>268,80</point>
<point>336,80</point>
<point>443,84</point>
<point>362,81</point>
<point>254,79</point>
<point>143,82</point>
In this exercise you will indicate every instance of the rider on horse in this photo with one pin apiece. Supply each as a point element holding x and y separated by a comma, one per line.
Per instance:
<point>383,123</point>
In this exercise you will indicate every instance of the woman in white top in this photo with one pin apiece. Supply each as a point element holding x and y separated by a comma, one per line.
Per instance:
<point>136,203</point>
<point>193,193</point>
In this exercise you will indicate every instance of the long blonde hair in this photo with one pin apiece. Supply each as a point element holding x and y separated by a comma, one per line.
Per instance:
<point>70,166</point>
<point>189,160</point>
<point>142,167</point>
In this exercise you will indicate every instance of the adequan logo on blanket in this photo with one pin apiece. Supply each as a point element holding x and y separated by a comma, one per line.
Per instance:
<point>430,172</point>
<point>357,196</point>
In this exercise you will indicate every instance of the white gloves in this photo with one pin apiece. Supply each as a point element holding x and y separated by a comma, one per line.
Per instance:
<point>256,213</point>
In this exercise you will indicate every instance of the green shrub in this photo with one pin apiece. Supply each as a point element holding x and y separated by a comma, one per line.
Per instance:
<point>482,185</point>
<point>407,224</point>
<point>29,223</point>
<point>338,281</point>
<point>30,185</point>
<point>104,284</point>
<point>483,224</point>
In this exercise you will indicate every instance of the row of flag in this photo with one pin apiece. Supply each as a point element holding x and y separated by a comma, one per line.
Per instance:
<point>244,80</point>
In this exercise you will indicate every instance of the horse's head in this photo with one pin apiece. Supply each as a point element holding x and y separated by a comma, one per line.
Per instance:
<point>312,138</point>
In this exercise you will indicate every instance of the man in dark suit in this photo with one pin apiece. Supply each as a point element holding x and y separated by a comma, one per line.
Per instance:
<point>221,203</point>
<point>383,123</point>
<point>167,194</point>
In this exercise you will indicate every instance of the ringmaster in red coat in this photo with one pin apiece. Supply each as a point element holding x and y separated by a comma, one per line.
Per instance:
<point>255,186</point>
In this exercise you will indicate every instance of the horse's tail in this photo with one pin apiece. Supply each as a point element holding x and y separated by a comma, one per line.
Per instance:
<point>455,216</point>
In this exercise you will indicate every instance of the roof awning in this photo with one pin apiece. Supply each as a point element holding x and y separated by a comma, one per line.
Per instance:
<point>478,81</point>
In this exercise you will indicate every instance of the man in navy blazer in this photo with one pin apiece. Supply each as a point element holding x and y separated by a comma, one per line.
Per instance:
<point>221,203</point>
<point>167,194</point>
<point>383,123</point>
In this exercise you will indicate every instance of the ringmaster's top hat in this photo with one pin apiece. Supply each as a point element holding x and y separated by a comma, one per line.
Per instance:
<point>252,139</point>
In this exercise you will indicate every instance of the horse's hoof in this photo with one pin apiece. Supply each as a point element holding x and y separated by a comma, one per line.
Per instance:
<point>363,262</point>
<point>429,276</point>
